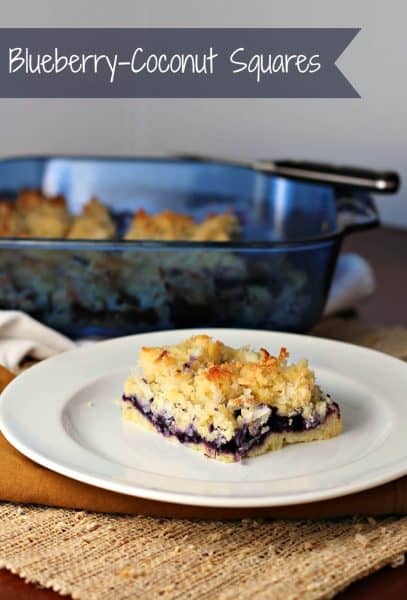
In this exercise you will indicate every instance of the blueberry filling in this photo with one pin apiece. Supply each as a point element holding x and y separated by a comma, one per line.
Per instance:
<point>243,440</point>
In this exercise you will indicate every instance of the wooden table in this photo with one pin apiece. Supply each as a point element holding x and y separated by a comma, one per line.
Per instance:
<point>386,250</point>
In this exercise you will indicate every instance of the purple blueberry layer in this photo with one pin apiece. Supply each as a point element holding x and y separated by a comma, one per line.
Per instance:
<point>243,440</point>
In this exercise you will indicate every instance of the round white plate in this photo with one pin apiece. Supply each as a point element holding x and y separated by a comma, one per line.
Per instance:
<point>63,414</point>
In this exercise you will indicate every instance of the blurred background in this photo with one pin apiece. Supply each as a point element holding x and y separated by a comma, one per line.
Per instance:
<point>368,132</point>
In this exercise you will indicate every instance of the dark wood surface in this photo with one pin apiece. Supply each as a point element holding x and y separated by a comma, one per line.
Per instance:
<point>386,250</point>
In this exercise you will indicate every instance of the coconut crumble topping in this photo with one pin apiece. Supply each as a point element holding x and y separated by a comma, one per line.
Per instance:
<point>219,389</point>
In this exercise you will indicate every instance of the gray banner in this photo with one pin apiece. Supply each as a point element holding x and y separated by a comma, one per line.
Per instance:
<point>174,63</point>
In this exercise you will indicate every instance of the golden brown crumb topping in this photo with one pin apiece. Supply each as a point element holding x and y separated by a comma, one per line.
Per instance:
<point>10,221</point>
<point>95,223</point>
<point>169,225</point>
<point>39,216</point>
<point>34,215</point>
<point>233,376</point>
<point>205,381</point>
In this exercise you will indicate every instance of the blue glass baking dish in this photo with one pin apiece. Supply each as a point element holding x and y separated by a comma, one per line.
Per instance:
<point>277,276</point>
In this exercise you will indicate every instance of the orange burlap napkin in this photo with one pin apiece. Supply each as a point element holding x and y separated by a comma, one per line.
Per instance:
<point>24,481</point>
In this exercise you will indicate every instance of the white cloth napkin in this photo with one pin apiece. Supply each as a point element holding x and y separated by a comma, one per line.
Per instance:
<point>22,336</point>
<point>353,281</point>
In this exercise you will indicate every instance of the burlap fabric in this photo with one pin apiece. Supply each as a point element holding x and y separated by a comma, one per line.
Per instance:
<point>99,557</point>
<point>95,556</point>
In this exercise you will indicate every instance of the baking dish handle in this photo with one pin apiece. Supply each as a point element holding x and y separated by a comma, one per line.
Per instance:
<point>379,182</point>
<point>356,212</point>
<point>342,177</point>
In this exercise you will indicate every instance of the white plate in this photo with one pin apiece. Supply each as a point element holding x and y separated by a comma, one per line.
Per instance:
<point>63,414</point>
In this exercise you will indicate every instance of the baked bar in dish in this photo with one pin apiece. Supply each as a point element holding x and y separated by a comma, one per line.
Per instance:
<point>110,293</point>
<point>228,403</point>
